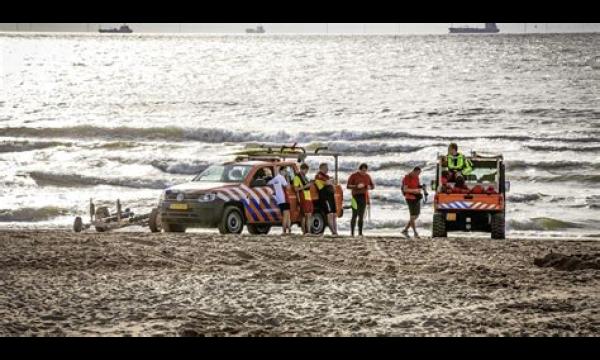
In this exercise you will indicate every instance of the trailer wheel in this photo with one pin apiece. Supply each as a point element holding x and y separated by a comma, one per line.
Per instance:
<point>154,221</point>
<point>176,228</point>
<point>317,223</point>
<point>258,229</point>
<point>498,226</point>
<point>439,226</point>
<point>78,224</point>
<point>232,221</point>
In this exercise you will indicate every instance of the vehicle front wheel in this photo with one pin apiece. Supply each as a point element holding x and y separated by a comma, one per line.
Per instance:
<point>439,226</point>
<point>258,229</point>
<point>232,222</point>
<point>498,226</point>
<point>78,224</point>
<point>154,221</point>
<point>176,228</point>
<point>317,223</point>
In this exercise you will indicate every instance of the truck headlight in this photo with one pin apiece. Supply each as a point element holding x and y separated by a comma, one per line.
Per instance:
<point>207,197</point>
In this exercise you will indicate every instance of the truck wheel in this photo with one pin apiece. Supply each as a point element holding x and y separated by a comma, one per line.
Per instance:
<point>498,226</point>
<point>154,221</point>
<point>258,229</point>
<point>439,226</point>
<point>317,223</point>
<point>176,228</point>
<point>78,224</point>
<point>232,222</point>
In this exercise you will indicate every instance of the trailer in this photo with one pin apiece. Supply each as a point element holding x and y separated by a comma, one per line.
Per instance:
<point>103,220</point>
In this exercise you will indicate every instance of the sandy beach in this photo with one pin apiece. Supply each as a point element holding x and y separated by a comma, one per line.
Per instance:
<point>141,284</point>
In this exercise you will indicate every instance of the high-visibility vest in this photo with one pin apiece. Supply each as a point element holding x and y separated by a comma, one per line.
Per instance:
<point>460,163</point>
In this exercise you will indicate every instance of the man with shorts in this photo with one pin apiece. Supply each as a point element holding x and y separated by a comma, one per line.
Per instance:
<point>279,184</point>
<point>324,184</point>
<point>360,183</point>
<point>411,188</point>
<point>302,187</point>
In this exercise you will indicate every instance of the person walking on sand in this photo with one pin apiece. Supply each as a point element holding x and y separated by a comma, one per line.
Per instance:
<point>360,183</point>
<point>411,188</point>
<point>326,190</point>
<point>302,187</point>
<point>279,184</point>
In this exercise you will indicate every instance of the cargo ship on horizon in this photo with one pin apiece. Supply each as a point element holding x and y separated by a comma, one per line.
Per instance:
<point>124,29</point>
<point>490,28</point>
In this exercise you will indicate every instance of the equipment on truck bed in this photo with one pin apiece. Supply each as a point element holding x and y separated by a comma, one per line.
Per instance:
<point>102,219</point>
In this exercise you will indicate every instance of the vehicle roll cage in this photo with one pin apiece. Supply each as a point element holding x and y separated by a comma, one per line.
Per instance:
<point>273,152</point>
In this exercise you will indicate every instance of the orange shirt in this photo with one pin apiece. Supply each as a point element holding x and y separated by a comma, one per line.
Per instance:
<point>358,178</point>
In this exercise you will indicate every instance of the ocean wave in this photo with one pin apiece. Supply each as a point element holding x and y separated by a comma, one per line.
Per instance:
<point>524,198</point>
<point>179,167</point>
<point>580,178</point>
<point>562,148</point>
<point>544,224</point>
<point>32,214</point>
<point>8,146</point>
<point>74,180</point>
<point>212,135</point>
<point>550,165</point>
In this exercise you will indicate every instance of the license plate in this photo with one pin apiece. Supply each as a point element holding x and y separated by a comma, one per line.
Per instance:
<point>451,216</point>
<point>178,206</point>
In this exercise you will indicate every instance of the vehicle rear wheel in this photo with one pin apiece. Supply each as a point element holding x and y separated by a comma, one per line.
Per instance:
<point>258,229</point>
<point>154,221</point>
<point>78,224</point>
<point>317,223</point>
<point>498,226</point>
<point>439,226</point>
<point>232,222</point>
<point>176,228</point>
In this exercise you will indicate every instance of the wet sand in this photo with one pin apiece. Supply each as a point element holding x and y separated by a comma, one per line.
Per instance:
<point>56,283</point>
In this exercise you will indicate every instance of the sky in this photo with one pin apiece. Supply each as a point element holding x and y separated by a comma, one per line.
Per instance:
<point>343,28</point>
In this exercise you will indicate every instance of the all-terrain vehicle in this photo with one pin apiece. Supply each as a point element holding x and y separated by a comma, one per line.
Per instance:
<point>230,195</point>
<point>478,205</point>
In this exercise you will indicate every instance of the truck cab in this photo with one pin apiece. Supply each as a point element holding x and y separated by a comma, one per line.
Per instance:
<point>230,195</point>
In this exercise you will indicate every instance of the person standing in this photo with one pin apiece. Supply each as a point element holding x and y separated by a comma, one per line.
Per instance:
<point>360,183</point>
<point>279,184</point>
<point>411,188</point>
<point>326,189</point>
<point>302,187</point>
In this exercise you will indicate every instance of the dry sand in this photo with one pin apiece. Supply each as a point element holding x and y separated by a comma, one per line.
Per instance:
<point>119,284</point>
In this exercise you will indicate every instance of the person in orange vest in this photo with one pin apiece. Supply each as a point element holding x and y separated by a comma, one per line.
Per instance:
<point>411,188</point>
<point>360,183</point>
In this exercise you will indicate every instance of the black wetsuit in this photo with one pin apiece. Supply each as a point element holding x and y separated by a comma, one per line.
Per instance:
<point>359,212</point>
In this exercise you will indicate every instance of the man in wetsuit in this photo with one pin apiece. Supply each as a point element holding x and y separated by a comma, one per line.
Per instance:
<point>324,184</point>
<point>360,183</point>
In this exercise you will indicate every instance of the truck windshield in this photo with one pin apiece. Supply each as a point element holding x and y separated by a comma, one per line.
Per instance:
<point>224,173</point>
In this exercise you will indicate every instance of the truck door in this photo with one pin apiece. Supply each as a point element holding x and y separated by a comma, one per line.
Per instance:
<point>259,205</point>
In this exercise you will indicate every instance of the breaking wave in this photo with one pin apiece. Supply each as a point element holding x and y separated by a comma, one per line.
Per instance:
<point>212,135</point>
<point>551,165</point>
<point>73,180</point>
<point>179,167</point>
<point>544,224</point>
<point>31,214</point>
<point>19,146</point>
<point>580,178</point>
<point>563,148</point>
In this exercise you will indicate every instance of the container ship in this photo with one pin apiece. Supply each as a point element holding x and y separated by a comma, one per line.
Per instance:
<point>123,29</point>
<point>490,28</point>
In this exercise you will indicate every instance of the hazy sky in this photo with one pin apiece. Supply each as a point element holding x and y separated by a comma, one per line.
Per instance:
<point>406,28</point>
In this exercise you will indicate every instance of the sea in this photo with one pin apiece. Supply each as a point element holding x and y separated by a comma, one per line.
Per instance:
<point>107,116</point>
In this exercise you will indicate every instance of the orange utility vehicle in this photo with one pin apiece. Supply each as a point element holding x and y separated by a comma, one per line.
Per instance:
<point>478,205</point>
<point>233,194</point>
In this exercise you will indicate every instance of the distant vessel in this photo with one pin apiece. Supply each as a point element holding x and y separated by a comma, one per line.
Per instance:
<point>490,28</point>
<point>259,30</point>
<point>123,29</point>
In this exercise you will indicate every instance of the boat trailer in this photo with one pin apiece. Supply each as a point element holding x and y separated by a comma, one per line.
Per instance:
<point>103,220</point>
